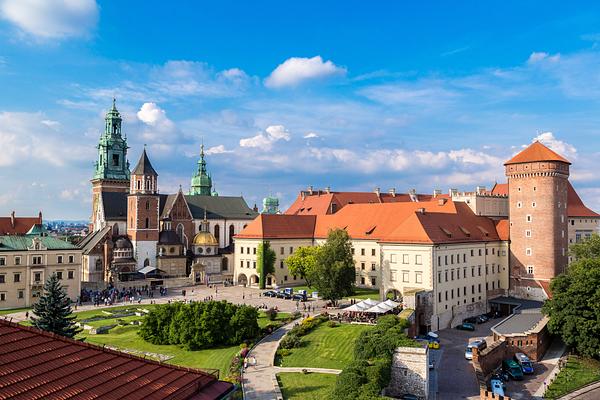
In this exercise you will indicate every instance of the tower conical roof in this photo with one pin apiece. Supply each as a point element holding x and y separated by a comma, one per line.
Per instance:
<point>143,166</point>
<point>536,152</point>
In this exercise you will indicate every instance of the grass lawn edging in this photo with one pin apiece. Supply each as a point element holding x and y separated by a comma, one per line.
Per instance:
<point>578,373</point>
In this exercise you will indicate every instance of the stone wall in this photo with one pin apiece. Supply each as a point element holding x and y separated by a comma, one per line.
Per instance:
<point>410,372</point>
<point>490,358</point>
<point>487,395</point>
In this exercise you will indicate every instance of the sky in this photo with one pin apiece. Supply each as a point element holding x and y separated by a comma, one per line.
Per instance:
<point>352,95</point>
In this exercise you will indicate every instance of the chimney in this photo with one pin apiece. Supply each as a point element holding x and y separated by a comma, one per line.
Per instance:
<point>310,190</point>
<point>453,192</point>
<point>303,194</point>
<point>436,192</point>
<point>12,219</point>
<point>421,210</point>
<point>393,192</point>
<point>40,216</point>
<point>255,208</point>
<point>377,191</point>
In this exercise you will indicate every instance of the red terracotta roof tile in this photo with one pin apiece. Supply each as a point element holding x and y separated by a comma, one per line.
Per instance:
<point>39,365</point>
<point>502,227</point>
<point>500,189</point>
<point>17,225</point>
<point>575,206</point>
<point>536,152</point>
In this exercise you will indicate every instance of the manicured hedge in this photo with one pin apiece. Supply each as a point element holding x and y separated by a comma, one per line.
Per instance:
<point>200,325</point>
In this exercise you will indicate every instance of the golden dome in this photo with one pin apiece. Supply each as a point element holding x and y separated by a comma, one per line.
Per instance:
<point>205,239</point>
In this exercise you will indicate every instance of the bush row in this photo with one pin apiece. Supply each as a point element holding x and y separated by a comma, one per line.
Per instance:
<point>200,325</point>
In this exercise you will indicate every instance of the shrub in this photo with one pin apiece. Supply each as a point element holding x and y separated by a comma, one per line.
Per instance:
<point>271,314</point>
<point>290,341</point>
<point>295,315</point>
<point>283,352</point>
<point>333,324</point>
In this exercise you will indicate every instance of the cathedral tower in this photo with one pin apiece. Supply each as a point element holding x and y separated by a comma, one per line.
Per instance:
<point>142,212</point>
<point>201,181</point>
<point>111,173</point>
<point>537,185</point>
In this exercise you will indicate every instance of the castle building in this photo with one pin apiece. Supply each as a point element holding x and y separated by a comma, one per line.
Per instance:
<point>139,233</point>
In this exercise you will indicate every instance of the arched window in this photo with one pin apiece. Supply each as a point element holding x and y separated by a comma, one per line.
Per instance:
<point>218,233</point>
<point>231,233</point>
<point>147,185</point>
<point>147,223</point>
<point>115,230</point>
<point>147,204</point>
<point>225,264</point>
<point>146,263</point>
<point>180,232</point>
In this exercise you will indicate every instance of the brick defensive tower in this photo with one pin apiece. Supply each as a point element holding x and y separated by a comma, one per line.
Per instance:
<point>537,184</point>
<point>142,212</point>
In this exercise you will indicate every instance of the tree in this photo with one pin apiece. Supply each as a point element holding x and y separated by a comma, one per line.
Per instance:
<point>333,274</point>
<point>265,261</point>
<point>52,310</point>
<point>574,309</point>
<point>302,262</point>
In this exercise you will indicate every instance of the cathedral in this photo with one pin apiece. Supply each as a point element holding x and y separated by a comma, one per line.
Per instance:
<point>139,234</point>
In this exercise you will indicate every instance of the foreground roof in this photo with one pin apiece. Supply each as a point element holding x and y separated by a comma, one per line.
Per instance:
<point>439,221</point>
<point>38,365</point>
<point>536,152</point>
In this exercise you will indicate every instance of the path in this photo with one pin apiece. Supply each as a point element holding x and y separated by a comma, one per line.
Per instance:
<point>259,382</point>
<point>300,369</point>
<point>589,392</point>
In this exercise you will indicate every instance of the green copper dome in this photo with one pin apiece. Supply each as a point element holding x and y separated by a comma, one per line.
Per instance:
<point>270,205</point>
<point>112,148</point>
<point>201,181</point>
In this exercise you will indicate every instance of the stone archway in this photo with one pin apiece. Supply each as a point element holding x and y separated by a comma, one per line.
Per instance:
<point>254,280</point>
<point>242,280</point>
<point>394,294</point>
<point>271,281</point>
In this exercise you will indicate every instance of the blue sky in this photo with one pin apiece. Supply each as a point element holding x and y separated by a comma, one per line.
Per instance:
<point>352,95</point>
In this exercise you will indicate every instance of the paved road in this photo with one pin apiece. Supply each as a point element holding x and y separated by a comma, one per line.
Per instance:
<point>259,379</point>
<point>591,392</point>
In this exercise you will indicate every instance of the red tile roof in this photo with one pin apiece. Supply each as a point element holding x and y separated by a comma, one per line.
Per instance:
<point>436,221</point>
<point>575,206</point>
<point>320,202</point>
<point>536,152</point>
<point>500,189</point>
<point>502,227</point>
<point>38,365</point>
<point>18,225</point>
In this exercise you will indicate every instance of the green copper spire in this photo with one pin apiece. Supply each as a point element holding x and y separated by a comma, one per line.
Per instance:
<point>201,181</point>
<point>112,149</point>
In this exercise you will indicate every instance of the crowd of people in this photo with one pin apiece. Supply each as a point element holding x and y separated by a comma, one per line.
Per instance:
<point>112,295</point>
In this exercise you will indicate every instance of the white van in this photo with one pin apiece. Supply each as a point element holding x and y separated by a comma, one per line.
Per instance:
<point>497,387</point>
<point>480,344</point>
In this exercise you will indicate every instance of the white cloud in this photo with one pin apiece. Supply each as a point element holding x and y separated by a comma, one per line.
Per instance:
<point>266,140</point>
<point>50,123</point>
<point>537,57</point>
<point>152,115</point>
<point>220,149</point>
<point>51,19</point>
<point>296,70</point>
<point>563,148</point>
<point>159,128</point>
<point>311,135</point>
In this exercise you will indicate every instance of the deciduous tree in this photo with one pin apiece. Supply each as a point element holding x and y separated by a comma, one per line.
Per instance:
<point>302,262</point>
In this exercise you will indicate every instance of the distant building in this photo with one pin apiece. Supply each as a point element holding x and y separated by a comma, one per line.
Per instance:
<point>270,205</point>
<point>26,262</point>
<point>57,367</point>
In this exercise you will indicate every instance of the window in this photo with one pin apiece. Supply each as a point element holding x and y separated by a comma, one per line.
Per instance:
<point>373,252</point>
<point>439,277</point>
<point>362,266</point>
<point>373,266</point>
<point>479,270</point>
<point>241,250</point>
<point>471,253</point>
<point>464,257</point>
<point>71,259</point>
<point>70,274</point>
<point>464,272</point>
<point>147,204</point>
<point>281,264</point>
<point>247,250</point>
<point>2,261</point>
<point>405,276</point>
<point>291,250</point>
<point>362,280</point>
<point>248,264</point>
<point>393,258</point>
<point>479,287</point>
<point>59,274</point>
<point>373,281</point>
<point>17,260</point>
<point>445,260</point>
<point>36,260</point>
<point>533,204</point>
<point>519,204</point>
<point>281,250</point>
<point>393,276</point>
<point>20,294</point>
<point>254,264</point>
<point>352,250</point>
<point>440,297</point>
<point>446,295</point>
<point>242,264</point>
<point>452,275</point>
<point>530,269</point>
<point>528,233</point>
<point>362,252</point>
<point>3,278</point>
<point>147,223</point>
<point>254,250</point>
<point>528,251</point>
<point>446,276</point>
<point>404,258</point>
<point>115,160</point>
<point>418,259</point>
<point>528,218</point>
<point>452,259</point>
<point>452,293</point>
<point>473,289</point>
<point>472,271</point>
<point>418,277</point>
<point>480,252</point>
<point>285,278</point>
<point>487,269</point>
<point>17,278</point>
<point>2,296</point>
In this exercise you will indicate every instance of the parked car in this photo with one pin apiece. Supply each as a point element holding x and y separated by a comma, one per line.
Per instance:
<point>513,369</point>
<point>283,295</point>
<point>409,397</point>
<point>299,297</point>
<point>497,387</point>
<point>466,327</point>
<point>479,344</point>
<point>524,362</point>
<point>493,314</point>
<point>501,375</point>
<point>270,293</point>
<point>482,319</point>
<point>470,320</point>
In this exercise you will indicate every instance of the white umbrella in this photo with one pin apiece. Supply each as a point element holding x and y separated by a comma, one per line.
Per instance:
<point>391,303</point>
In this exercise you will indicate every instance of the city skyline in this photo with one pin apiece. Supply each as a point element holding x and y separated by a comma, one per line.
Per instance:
<point>352,99</point>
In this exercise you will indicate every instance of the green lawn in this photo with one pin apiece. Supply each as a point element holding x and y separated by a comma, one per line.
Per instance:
<point>577,373</point>
<point>359,293</point>
<point>125,337</point>
<point>325,347</point>
<point>14,310</point>
<point>299,386</point>
<point>264,321</point>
